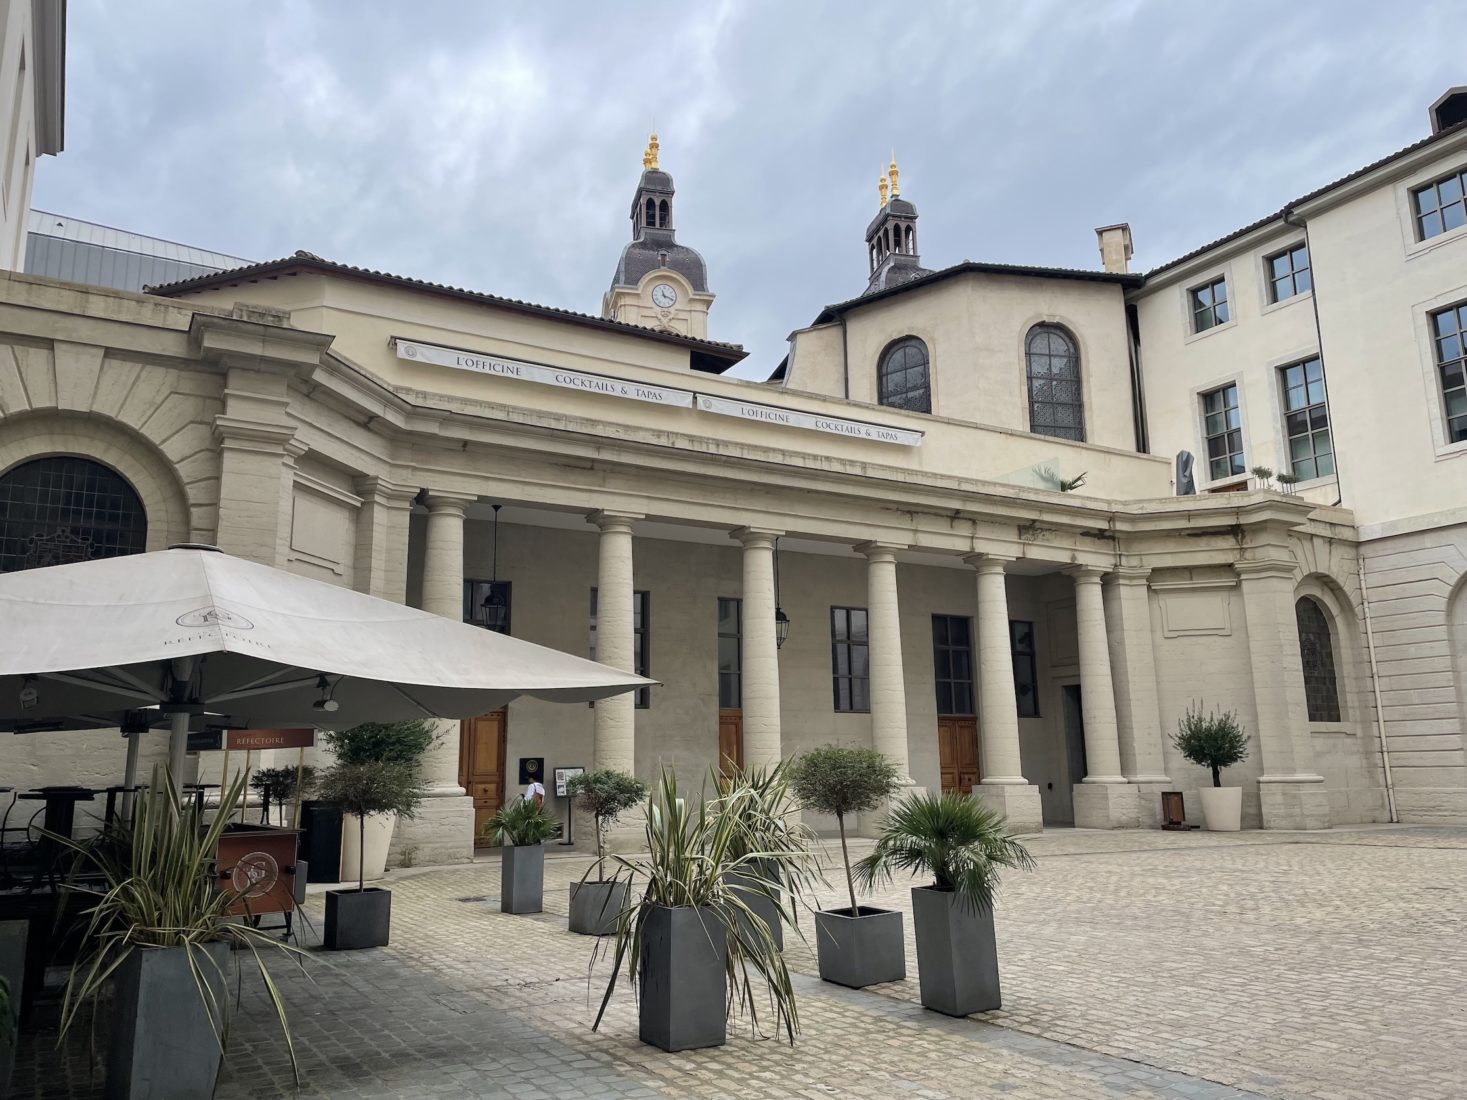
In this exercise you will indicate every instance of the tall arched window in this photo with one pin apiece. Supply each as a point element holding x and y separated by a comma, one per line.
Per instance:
<point>902,380</point>
<point>1056,404</point>
<point>65,509</point>
<point>1317,651</point>
<point>650,221</point>
<point>664,215</point>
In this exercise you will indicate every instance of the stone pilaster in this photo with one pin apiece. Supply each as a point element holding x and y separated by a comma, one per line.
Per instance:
<point>760,665</point>
<point>1133,666</point>
<point>380,566</point>
<point>1103,800</point>
<point>616,725</point>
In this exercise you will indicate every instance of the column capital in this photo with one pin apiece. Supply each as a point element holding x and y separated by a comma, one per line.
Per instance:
<point>879,551</point>
<point>448,503</point>
<point>988,563</point>
<point>380,490</point>
<point>752,537</point>
<point>609,520</point>
<point>1267,568</point>
<point>1085,574</point>
<point>1129,574</point>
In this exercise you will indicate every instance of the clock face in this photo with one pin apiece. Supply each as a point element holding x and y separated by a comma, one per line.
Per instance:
<point>664,295</point>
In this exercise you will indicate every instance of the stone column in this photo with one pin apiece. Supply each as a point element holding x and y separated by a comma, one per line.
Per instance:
<point>1103,800</point>
<point>256,476</point>
<point>760,700</point>
<point>443,830</point>
<point>616,742</point>
<point>1291,794</point>
<point>888,684</point>
<point>1002,785</point>
<point>1133,664</point>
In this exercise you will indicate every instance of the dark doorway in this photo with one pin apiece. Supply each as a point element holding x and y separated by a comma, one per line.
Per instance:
<point>1074,733</point>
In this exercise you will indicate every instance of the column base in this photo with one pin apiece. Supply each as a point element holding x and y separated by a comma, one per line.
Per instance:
<point>1106,806</point>
<point>1294,802</point>
<point>1018,802</point>
<point>441,832</point>
<point>1148,790</point>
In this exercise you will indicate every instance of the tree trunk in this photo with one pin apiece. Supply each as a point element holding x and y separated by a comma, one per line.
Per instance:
<point>1216,776</point>
<point>845,855</point>
<point>600,850</point>
<point>361,852</point>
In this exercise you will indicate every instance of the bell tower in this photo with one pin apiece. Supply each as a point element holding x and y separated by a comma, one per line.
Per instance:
<point>658,282</point>
<point>891,238</point>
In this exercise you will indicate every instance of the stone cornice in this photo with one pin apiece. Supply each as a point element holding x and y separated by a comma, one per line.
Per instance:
<point>258,338</point>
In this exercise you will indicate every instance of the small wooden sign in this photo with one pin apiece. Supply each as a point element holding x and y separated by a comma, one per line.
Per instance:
<point>255,740</point>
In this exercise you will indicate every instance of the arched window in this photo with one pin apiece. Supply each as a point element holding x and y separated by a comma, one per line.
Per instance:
<point>664,215</point>
<point>66,509</point>
<point>1056,405</point>
<point>650,221</point>
<point>909,238</point>
<point>1317,651</point>
<point>902,381</point>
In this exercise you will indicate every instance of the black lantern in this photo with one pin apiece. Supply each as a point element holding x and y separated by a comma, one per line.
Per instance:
<point>781,620</point>
<point>495,609</point>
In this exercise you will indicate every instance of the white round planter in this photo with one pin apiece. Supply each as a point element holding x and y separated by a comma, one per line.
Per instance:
<point>1222,808</point>
<point>379,838</point>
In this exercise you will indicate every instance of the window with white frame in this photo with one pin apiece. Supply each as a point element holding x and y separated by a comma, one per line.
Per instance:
<point>1288,273</point>
<point>1441,205</point>
<point>1449,336</point>
<point>1306,420</point>
<point>1222,424</point>
<point>1209,305</point>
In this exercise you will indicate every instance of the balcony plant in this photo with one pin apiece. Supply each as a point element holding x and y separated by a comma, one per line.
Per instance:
<point>404,743</point>
<point>964,846</point>
<point>861,945</point>
<point>363,917</point>
<point>522,826</point>
<point>595,904</point>
<point>678,938</point>
<point>1216,741</point>
<point>158,929</point>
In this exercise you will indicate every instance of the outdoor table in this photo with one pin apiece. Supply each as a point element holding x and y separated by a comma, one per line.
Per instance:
<point>60,820</point>
<point>198,790</point>
<point>113,792</point>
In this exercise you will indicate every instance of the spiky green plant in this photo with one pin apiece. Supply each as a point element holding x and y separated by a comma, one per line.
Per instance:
<point>153,883</point>
<point>691,862</point>
<point>956,839</point>
<point>520,822</point>
<point>841,780</point>
<point>769,821</point>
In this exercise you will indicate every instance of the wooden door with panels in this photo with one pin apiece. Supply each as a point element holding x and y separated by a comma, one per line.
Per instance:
<point>730,740</point>
<point>481,763</point>
<point>957,749</point>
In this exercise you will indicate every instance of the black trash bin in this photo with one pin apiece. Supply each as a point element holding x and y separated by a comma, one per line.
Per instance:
<point>321,841</point>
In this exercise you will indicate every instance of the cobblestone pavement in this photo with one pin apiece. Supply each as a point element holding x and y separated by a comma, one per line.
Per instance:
<point>1142,964</point>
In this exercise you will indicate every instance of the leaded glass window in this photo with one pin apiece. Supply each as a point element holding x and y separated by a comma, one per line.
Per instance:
<point>1306,420</point>
<point>1316,650</point>
<point>850,658</point>
<point>903,381</point>
<point>730,653</point>
<point>1441,205</point>
<point>1449,334</point>
<point>1056,403</point>
<point>54,511</point>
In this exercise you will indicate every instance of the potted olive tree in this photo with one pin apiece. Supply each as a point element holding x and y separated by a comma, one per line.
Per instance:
<point>522,826</point>
<point>375,743</point>
<point>362,917</point>
<point>595,904</point>
<point>964,846</point>
<point>678,938</point>
<point>277,786</point>
<point>1215,741</point>
<point>862,945</point>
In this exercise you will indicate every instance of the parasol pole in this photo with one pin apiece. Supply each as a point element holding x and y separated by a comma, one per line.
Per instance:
<point>183,671</point>
<point>295,811</point>
<point>244,792</point>
<point>130,773</point>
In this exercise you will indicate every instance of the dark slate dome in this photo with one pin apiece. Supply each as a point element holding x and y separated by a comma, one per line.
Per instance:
<point>656,248</point>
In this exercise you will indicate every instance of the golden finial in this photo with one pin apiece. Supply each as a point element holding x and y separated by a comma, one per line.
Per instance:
<point>881,187</point>
<point>649,158</point>
<point>892,172</point>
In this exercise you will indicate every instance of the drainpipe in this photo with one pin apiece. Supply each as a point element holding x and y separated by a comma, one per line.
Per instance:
<point>1138,389</point>
<point>1288,218</point>
<point>845,359</point>
<point>1385,753</point>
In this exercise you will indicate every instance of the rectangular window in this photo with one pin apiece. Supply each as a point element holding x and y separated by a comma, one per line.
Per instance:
<point>1209,305</point>
<point>1306,420</point>
<point>1449,334</point>
<point>952,661</point>
<point>1288,273</point>
<point>481,602</point>
<point>1222,424</point>
<point>641,607</point>
<point>850,658</point>
<point>730,654</point>
<point>1026,672</point>
<point>1440,206</point>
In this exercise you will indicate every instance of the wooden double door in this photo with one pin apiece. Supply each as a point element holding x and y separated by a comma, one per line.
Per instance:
<point>957,750</point>
<point>481,763</point>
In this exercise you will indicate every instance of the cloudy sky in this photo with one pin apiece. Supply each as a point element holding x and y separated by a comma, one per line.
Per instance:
<point>497,146</point>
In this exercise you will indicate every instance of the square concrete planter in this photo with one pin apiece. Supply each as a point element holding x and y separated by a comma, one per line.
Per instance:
<point>522,878</point>
<point>762,905</point>
<point>957,958</point>
<point>860,951</point>
<point>682,1002</point>
<point>162,1045</point>
<point>595,906</point>
<point>357,919</point>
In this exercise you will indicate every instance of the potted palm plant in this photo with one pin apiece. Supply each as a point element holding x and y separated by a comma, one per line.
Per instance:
<point>595,904</point>
<point>361,917</point>
<point>375,743</point>
<point>159,924</point>
<point>522,826</point>
<point>1215,741</point>
<point>860,945</point>
<point>964,846</point>
<point>677,940</point>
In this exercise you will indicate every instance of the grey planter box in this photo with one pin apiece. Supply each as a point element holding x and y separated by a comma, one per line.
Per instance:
<point>522,878</point>
<point>13,935</point>
<point>764,906</point>
<point>684,985</point>
<point>357,919</point>
<point>162,1046</point>
<point>860,951</point>
<point>595,906</point>
<point>957,958</point>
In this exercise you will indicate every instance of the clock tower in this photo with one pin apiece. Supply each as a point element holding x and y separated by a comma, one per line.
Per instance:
<point>658,283</point>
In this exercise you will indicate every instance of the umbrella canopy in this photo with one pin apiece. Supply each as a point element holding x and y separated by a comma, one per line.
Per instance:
<point>195,630</point>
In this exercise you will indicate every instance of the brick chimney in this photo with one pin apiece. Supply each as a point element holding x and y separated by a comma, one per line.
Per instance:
<point>1115,247</point>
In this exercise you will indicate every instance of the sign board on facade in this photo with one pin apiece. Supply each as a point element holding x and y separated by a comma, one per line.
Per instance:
<point>562,777</point>
<point>255,740</point>
<point>597,384</point>
<point>793,418</point>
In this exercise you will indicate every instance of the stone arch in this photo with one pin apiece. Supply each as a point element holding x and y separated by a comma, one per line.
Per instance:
<point>159,486</point>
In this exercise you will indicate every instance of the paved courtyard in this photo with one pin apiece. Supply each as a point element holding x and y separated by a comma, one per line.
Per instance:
<point>1141,964</point>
